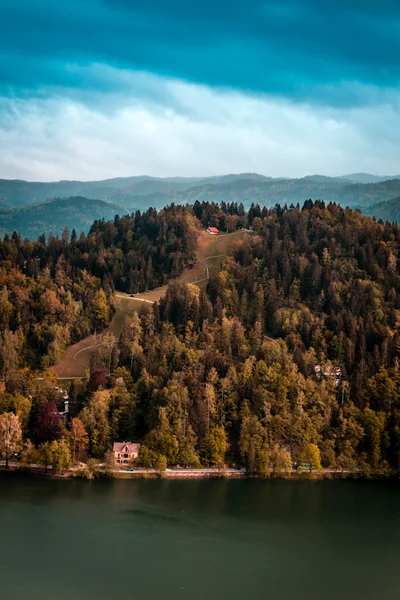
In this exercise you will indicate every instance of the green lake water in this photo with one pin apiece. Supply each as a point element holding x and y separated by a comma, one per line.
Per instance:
<point>200,540</point>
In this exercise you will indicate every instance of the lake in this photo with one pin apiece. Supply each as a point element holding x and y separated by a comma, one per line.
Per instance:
<point>201,540</point>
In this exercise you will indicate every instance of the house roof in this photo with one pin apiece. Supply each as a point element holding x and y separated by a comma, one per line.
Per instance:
<point>213,229</point>
<point>119,446</point>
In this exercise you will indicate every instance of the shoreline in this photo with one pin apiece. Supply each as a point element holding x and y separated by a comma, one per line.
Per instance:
<point>196,474</point>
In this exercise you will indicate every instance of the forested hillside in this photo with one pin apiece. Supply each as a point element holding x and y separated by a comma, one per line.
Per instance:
<point>386,211</point>
<point>56,292</point>
<point>290,354</point>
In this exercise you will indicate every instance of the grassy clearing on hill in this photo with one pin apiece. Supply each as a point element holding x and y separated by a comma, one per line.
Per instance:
<point>210,253</point>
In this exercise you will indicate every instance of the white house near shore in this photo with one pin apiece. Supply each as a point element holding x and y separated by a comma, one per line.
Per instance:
<point>125,452</point>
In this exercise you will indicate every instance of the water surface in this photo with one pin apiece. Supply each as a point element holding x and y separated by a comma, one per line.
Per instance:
<point>201,540</point>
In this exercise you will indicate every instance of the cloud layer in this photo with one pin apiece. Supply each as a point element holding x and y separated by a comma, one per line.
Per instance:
<point>93,88</point>
<point>165,127</point>
<point>290,47</point>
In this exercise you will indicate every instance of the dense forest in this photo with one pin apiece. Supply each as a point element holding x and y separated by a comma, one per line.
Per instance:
<point>58,291</point>
<point>290,354</point>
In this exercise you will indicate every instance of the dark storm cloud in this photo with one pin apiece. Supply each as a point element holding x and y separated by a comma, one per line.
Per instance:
<point>300,49</point>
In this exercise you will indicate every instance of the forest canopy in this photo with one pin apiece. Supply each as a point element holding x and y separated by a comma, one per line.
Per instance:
<point>289,355</point>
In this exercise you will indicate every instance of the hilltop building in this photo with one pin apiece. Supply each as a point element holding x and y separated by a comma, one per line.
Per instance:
<point>329,371</point>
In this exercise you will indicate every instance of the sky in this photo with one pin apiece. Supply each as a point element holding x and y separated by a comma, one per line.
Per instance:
<point>91,89</point>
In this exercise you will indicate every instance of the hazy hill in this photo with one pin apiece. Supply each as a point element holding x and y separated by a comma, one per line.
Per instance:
<point>368,178</point>
<point>387,211</point>
<point>266,192</point>
<point>143,192</point>
<point>51,216</point>
<point>365,195</point>
<point>127,190</point>
<point>288,191</point>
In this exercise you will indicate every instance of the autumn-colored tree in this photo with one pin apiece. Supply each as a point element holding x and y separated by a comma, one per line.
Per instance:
<point>162,464</point>
<point>254,447</point>
<point>48,424</point>
<point>95,419</point>
<point>281,461</point>
<point>44,455</point>
<point>78,437</point>
<point>130,338</point>
<point>374,424</point>
<point>29,454</point>
<point>312,456</point>
<point>61,456</point>
<point>101,310</point>
<point>214,446</point>
<point>163,440</point>
<point>22,407</point>
<point>188,456</point>
<point>9,348</point>
<point>6,307</point>
<point>109,463</point>
<point>147,458</point>
<point>56,454</point>
<point>10,435</point>
<point>97,380</point>
<point>109,345</point>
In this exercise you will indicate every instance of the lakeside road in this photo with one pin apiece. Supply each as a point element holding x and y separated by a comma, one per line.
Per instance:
<point>189,473</point>
<point>135,472</point>
<point>229,472</point>
<point>185,473</point>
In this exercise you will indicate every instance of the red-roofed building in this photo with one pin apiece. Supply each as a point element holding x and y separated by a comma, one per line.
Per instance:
<point>213,230</point>
<point>125,452</point>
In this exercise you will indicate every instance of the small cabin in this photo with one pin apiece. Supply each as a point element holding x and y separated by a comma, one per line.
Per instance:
<point>213,230</point>
<point>125,452</point>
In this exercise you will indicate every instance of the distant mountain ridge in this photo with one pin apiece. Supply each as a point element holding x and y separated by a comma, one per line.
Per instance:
<point>141,192</point>
<point>22,203</point>
<point>368,178</point>
<point>128,190</point>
